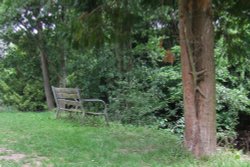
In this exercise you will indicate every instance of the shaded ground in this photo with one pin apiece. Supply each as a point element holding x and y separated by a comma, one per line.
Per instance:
<point>243,130</point>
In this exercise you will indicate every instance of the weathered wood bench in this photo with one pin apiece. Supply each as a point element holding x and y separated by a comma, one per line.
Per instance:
<point>69,100</point>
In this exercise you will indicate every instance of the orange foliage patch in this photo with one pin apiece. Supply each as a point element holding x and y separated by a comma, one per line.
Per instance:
<point>169,57</point>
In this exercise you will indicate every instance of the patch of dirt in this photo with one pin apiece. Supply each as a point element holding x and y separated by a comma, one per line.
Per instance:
<point>27,161</point>
<point>136,150</point>
<point>12,157</point>
<point>246,157</point>
<point>4,150</point>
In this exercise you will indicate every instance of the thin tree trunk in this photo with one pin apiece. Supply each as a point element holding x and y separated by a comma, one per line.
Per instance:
<point>63,72</point>
<point>44,67</point>
<point>46,83</point>
<point>64,51</point>
<point>198,75</point>
<point>119,56</point>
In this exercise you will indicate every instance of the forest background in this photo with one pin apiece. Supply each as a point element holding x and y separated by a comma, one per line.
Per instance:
<point>124,52</point>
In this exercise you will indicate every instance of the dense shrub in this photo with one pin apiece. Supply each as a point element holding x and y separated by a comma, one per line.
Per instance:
<point>232,94</point>
<point>20,85</point>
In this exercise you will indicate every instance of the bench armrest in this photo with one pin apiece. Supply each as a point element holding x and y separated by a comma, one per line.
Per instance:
<point>96,100</point>
<point>93,100</point>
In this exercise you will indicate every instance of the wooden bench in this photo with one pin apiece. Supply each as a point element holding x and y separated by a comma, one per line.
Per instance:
<point>69,100</point>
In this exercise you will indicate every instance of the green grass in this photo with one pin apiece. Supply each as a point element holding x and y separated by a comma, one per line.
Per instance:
<point>66,143</point>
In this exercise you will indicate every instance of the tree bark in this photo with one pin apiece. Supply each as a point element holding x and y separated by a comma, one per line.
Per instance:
<point>44,67</point>
<point>198,75</point>
<point>46,81</point>
<point>63,72</point>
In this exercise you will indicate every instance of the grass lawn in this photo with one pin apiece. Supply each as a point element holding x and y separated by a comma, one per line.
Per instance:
<point>38,139</point>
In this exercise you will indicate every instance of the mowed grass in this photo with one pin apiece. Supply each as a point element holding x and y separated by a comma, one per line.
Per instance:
<point>60,142</point>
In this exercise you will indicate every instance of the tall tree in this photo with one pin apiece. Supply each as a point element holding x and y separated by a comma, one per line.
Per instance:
<point>29,21</point>
<point>198,74</point>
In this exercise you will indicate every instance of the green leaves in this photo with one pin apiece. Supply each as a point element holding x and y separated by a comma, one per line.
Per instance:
<point>232,89</point>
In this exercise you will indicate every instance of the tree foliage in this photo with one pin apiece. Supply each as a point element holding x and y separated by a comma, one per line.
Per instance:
<point>114,50</point>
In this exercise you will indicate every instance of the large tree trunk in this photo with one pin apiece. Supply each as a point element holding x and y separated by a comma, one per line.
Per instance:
<point>198,74</point>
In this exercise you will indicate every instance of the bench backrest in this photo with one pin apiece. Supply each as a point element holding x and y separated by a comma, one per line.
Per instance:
<point>67,98</point>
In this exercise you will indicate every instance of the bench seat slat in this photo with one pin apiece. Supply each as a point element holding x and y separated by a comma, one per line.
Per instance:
<point>67,95</point>
<point>63,102</point>
<point>71,110</point>
<point>94,113</point>
<point>67,90</point>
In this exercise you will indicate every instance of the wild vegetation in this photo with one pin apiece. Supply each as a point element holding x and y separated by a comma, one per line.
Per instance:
<point>124,52</point>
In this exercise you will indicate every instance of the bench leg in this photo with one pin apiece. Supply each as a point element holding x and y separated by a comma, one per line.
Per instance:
<point>70,115</point>
<point>106,115</point>
<point>57,113</point>
<point>106,119</point>
<point>82,117</point>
